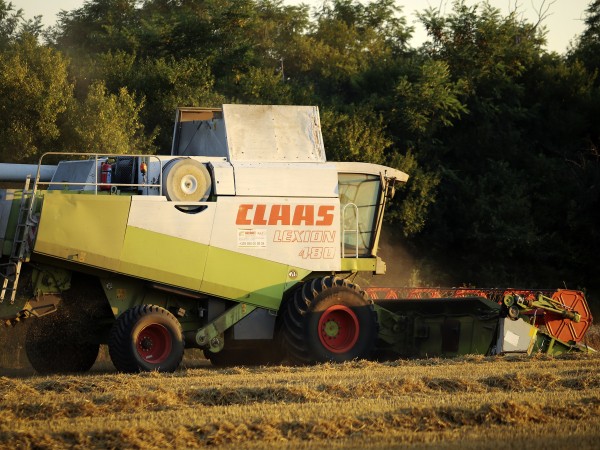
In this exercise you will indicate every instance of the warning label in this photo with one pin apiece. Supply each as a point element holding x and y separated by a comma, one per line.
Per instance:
<point>252,238</point>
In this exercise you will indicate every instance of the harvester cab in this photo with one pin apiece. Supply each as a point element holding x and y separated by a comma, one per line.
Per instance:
<point>242,242</point>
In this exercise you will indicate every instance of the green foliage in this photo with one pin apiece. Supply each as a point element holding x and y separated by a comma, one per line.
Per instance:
<point>14,27</point>
<point>355,136</point>
<point>411,206</point>
<point>587,48</point>
<point>98,26</point>
<point>346,42</point>
<point>263,86</point>
<point>507,172</point>
<point>34,91</point>
<point>107,123</point>
<point>166,83</point>
<point>431,101</point>
<point>10,21</point>
<point>480,44</point>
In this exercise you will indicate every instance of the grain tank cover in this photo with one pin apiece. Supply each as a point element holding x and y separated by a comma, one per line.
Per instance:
<point>274,133</point>
<point>267,133</point>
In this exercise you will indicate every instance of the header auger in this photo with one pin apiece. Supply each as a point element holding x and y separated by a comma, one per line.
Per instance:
<point>242,242</point>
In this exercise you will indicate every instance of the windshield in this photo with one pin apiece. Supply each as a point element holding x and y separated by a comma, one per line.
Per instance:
<point>359,200</point>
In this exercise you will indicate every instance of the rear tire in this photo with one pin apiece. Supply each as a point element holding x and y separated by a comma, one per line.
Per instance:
<point>146,338</point>
<point>60,344</point>
<point>328,319</point>
<point>69,340</point>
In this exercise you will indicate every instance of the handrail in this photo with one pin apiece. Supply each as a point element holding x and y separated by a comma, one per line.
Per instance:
<point>99,158</point>
<point>344,229</point>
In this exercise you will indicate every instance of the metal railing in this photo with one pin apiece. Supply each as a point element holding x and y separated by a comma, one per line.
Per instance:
<point>100,158</point>
<point>350,230</point>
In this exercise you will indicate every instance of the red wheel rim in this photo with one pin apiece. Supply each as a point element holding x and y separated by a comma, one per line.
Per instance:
<point>153,343</point>
<point>338,329</point>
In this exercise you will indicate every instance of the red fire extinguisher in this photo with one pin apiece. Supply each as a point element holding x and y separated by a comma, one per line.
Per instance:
<point>105,176</point>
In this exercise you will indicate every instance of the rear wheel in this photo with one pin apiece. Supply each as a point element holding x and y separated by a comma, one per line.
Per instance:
<point>69,340</point>
<point>146,338</point>
<point>329,319</point>
<point>59,343</point>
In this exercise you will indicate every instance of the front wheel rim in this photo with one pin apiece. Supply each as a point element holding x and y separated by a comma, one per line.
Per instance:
<point>154,343</point>
<point>338,329</point>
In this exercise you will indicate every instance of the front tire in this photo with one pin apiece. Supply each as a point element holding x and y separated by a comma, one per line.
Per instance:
<point>146,338</point>
<point>329,319</point>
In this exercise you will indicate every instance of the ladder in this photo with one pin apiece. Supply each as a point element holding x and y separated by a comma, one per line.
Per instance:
<point>21,250</point>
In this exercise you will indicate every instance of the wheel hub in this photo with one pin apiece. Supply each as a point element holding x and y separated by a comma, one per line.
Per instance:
<point>332,328</point>
<point>189,184</point>
<point>146,343</point>
<point>338,329</point>
<point>154,343</point>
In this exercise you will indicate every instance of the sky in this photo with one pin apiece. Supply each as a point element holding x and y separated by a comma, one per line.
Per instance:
<point>564,21</point>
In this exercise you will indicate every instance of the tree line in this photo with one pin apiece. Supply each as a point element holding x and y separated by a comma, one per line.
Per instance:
<point>499,135</point>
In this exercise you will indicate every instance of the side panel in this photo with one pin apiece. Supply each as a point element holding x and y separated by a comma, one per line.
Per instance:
<point>244,278</point>
<point>285,180</point>
<point>88,229</point>
<point>159,257</point>
<point>190,221</point>
<point>259,248</point>
<point>167,241</point>
<point>299,232</point>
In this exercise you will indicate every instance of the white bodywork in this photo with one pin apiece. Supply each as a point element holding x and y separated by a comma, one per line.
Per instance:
<point>275,195</point>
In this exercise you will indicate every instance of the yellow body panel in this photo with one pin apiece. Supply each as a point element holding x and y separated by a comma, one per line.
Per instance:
<point>163,258</point>
<point>245,278</point>
<point>89,232</point>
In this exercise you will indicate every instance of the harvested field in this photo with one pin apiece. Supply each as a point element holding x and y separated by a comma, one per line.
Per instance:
<point>468,403</point>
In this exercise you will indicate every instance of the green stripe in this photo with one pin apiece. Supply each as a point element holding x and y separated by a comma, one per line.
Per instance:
<point>155,256</point>
<point>245,278</point>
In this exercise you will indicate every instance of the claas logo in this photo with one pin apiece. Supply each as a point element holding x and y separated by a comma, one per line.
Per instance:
<point>308,215</point>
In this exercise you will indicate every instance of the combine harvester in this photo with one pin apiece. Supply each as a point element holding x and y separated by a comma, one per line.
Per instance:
<point>243,243</point>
